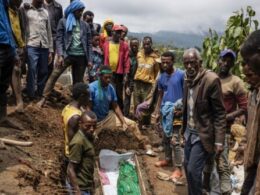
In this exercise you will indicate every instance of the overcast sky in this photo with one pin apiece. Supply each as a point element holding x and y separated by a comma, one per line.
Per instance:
<point>173,15</point>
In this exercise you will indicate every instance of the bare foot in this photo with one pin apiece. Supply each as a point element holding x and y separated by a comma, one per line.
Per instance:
<point>41,103</point>
<point>19,108</point>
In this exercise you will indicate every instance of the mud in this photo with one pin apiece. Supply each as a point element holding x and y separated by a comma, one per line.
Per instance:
<point>40,169</point>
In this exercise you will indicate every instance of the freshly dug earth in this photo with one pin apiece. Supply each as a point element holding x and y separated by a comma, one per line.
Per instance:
<point>40,169</point>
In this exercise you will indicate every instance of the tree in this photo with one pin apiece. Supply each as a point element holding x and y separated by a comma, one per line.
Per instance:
<point>238,27</point>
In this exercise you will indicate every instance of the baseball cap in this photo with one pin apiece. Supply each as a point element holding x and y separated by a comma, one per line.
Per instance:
<point>117,27</point>
<point>228,51</point>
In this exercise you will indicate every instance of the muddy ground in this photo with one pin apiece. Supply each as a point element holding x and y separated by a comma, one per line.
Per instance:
<point>38,169</point>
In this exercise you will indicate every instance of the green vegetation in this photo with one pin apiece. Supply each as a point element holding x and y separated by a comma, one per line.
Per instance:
<point>238,27</point>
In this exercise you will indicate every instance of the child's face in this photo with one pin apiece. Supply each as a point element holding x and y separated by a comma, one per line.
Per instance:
<point>88,126</point>
<point>95,41</point>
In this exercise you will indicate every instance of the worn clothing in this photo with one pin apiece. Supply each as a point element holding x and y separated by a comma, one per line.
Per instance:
<point>6,35</point>
<point>252,153</point>
<point>82,153</point>
<point>78,64</point>
<point>16,27</point>
<point>67,113</point>
<point>234,94</point>
<point>132,71</point>
<point>195,157</point>
<point>76,47</point>
<point>38,28</point>
<point>102,98</point>
<point>7,55</point>
<point>118,84</point>
<point>176,148</point>
<point>171,85</point>
<point>223,169</point>
<point>113,55</point>
<point>64,39</point>
<point>55,14</point>
<point>98,60</point>
<point>69,14</point>
<point>37,59</point>
<point>167,113</point>
<point>142,90</point>
<point>123,65</point>
<point>252,150</point>
<point>209,111</point>
<point>147,69</point>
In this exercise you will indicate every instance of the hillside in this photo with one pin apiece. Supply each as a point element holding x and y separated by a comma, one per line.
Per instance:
<point>180,40</point>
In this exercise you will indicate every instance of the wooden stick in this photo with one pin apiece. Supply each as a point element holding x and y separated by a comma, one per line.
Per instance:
<point>16,143</point>
<point>140,176</point>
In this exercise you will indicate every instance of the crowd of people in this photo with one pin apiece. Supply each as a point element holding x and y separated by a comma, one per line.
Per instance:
<point>196,107</point>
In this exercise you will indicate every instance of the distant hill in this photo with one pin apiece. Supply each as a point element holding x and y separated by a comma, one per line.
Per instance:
<point>180,40</point>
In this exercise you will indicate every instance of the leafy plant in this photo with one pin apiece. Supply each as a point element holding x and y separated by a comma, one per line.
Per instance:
<point>238,27</point>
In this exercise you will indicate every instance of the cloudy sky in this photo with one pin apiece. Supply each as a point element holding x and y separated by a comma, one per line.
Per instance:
<point>173,15</point>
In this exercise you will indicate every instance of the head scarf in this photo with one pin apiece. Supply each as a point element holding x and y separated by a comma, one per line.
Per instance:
<point>69,15</point>
<point>103,30</point>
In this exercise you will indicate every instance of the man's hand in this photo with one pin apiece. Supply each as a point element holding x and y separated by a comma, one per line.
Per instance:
<point>50,58</point>
<point>177,113</point>
<point>219,149</point>
<point>59,62</point>
<point>156,116</point>
<point>125,127</point>
<point>128,91</point>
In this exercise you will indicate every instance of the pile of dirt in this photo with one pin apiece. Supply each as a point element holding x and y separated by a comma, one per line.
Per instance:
<point>39,166</point>
<point>113,140</point>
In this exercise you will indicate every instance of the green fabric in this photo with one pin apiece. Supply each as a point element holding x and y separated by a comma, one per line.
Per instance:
<point>76,47</point>
<point>128,183</point>
<point>82,153</point>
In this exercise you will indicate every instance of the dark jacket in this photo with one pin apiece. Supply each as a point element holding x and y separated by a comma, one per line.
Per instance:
<point>209,111</point>
<point>6,37</point>
<point>64,39</point>
<point>55,14</point>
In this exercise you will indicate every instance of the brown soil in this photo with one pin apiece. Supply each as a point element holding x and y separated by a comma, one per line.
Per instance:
<point>39,169</point>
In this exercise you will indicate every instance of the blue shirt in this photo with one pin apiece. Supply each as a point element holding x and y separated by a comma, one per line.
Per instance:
<point>6,34</point>
<point>171,85</point>
<point>101,102</point>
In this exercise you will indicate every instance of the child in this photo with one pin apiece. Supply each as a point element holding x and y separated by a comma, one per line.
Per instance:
<point>81,157</point>
<point>97,57</point>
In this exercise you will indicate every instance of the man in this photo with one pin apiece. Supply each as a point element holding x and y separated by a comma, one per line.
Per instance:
<point>145,75</point>
<point>88,17</point>
<point>204,119</point>
<point>116,55</point>
<point>251,56</point>
<point>235,101</point>
<point>106,31</point>
<point>74,48</point>
<point>97,57</point>
<point>80,171</point>
<point>55,14</point>
<point>170,87</point>
<point>134,47</point>
<point>17,28</point>
<point>39,47</point>
<point>7,57</point>
<point>72,112</point>
<point>103,98</point>
<point>124,33</point>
